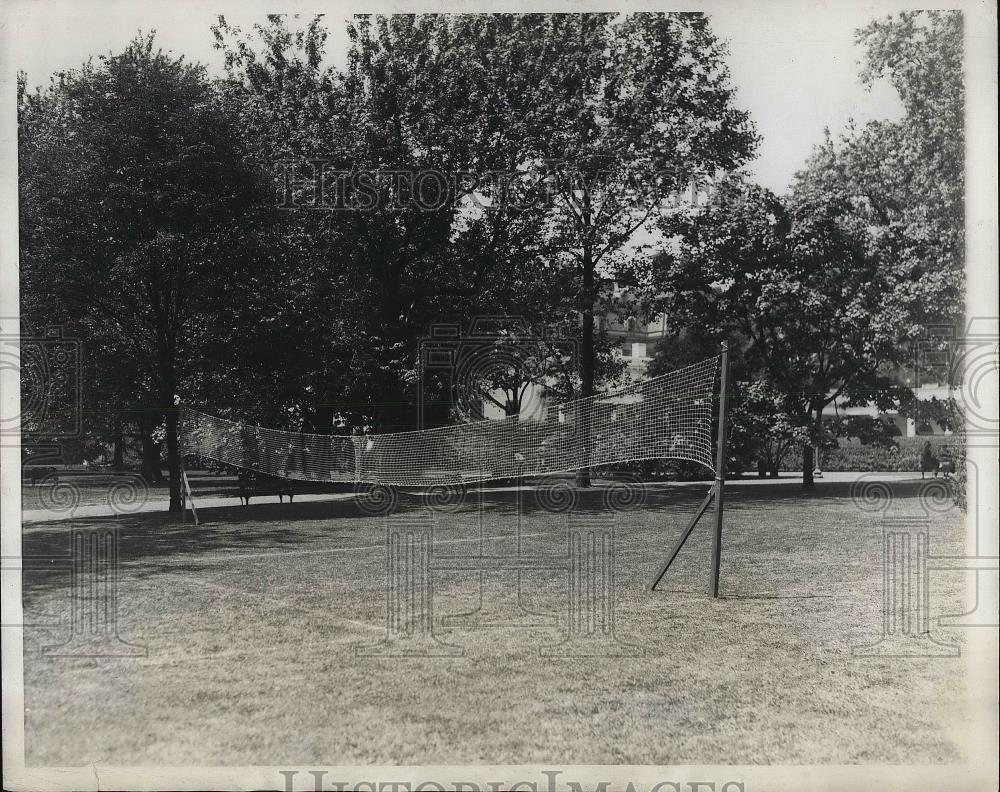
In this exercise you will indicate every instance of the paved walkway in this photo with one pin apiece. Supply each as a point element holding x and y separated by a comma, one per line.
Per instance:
<point>158,502</point>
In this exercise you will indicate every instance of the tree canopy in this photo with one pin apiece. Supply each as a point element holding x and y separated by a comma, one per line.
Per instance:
<point>275,242</point>
<point>135,198</point>
<point>828,288</point>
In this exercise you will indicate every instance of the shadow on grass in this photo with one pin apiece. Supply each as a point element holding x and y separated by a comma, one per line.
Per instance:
<point>264,527</point>
<point>157,538</point>
<point>840,491</point>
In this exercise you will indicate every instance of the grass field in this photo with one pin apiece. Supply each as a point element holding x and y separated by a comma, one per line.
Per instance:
<point>251,623</point>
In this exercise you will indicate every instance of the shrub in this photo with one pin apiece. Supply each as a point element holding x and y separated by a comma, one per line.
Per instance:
<point>902,456</point>
<point>656,470</point>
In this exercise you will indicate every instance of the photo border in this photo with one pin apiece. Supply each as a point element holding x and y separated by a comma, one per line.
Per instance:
<point>980,659</point>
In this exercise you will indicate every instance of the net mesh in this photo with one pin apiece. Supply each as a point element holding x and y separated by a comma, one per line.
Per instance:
<point>664,417</point>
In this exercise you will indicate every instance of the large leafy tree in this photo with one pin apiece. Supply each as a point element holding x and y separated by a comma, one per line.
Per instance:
<point>761,430</point>
<point>455,95</point>
<point>818,314</point>
<point>134,198</point>
<point>905,178</point>
<point>405,105</point>
<point>305,337</point>
<point>626,112</point>
<point>912,170</point>
<point>829,287</point>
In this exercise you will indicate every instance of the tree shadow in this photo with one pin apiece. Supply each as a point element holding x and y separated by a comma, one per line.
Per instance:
<point>265,527</point>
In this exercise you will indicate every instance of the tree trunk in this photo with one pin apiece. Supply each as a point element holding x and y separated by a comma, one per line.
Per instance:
<point>167,391</point>
<point>394,412</point>
<point>807,467</point>
<point>322,417</point>
<point>586,359</point>
<point>809,450</point>
<point>818,437</point>
<point>118,462</point>
<point>173,460</point>
<point>151,462</point>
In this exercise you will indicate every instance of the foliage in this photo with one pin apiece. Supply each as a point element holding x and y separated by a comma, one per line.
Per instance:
<point>762,429</point>
<point>577,105</point>
<point>146,229</point>
<point>926,413</point>
<point>134,195</point>
<point>905,179</point>
<point>911,172</point>
<point>902,455</point>
<point>866,429</point>
<point>395,267</point>
<point>828,288</point>
<point>795,283</point>
<point>625,112</point>
<point>960,481</point>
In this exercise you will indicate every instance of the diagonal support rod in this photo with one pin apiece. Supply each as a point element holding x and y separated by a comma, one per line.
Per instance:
<point>717,491</point>
<point>684,536</point>
<point>187,499</point>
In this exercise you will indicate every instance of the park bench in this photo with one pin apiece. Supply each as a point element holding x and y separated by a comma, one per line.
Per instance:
<point>255,484</point>
<point>216,480</point>
<point>32,475</point>
<point>929,463</point>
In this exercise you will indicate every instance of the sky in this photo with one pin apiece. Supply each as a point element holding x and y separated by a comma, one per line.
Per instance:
<point>795,67</point>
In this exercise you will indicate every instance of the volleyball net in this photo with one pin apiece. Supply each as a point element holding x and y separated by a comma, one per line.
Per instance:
<point>663,417</point>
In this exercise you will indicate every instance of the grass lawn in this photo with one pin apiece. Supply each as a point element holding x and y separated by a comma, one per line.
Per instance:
<point>252,621</point>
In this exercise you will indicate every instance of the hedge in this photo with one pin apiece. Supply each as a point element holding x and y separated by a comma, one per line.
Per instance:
<point>904,456</point>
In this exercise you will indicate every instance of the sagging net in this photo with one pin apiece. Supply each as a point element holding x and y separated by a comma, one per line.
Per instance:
<point>664,417</point>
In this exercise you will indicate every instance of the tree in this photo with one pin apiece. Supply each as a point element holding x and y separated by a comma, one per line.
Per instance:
<point>408,104</point>
<point>819,314</point>
<point>869,430</point>
<point>419,96</point>
<point>911,171</point>
<point>298,367</point>
<point>626,113</point>
<point>136,190</point>
<point>762,429</point>
<point>830,287</point>
<point>905,179</point>
<point>518,357</point>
